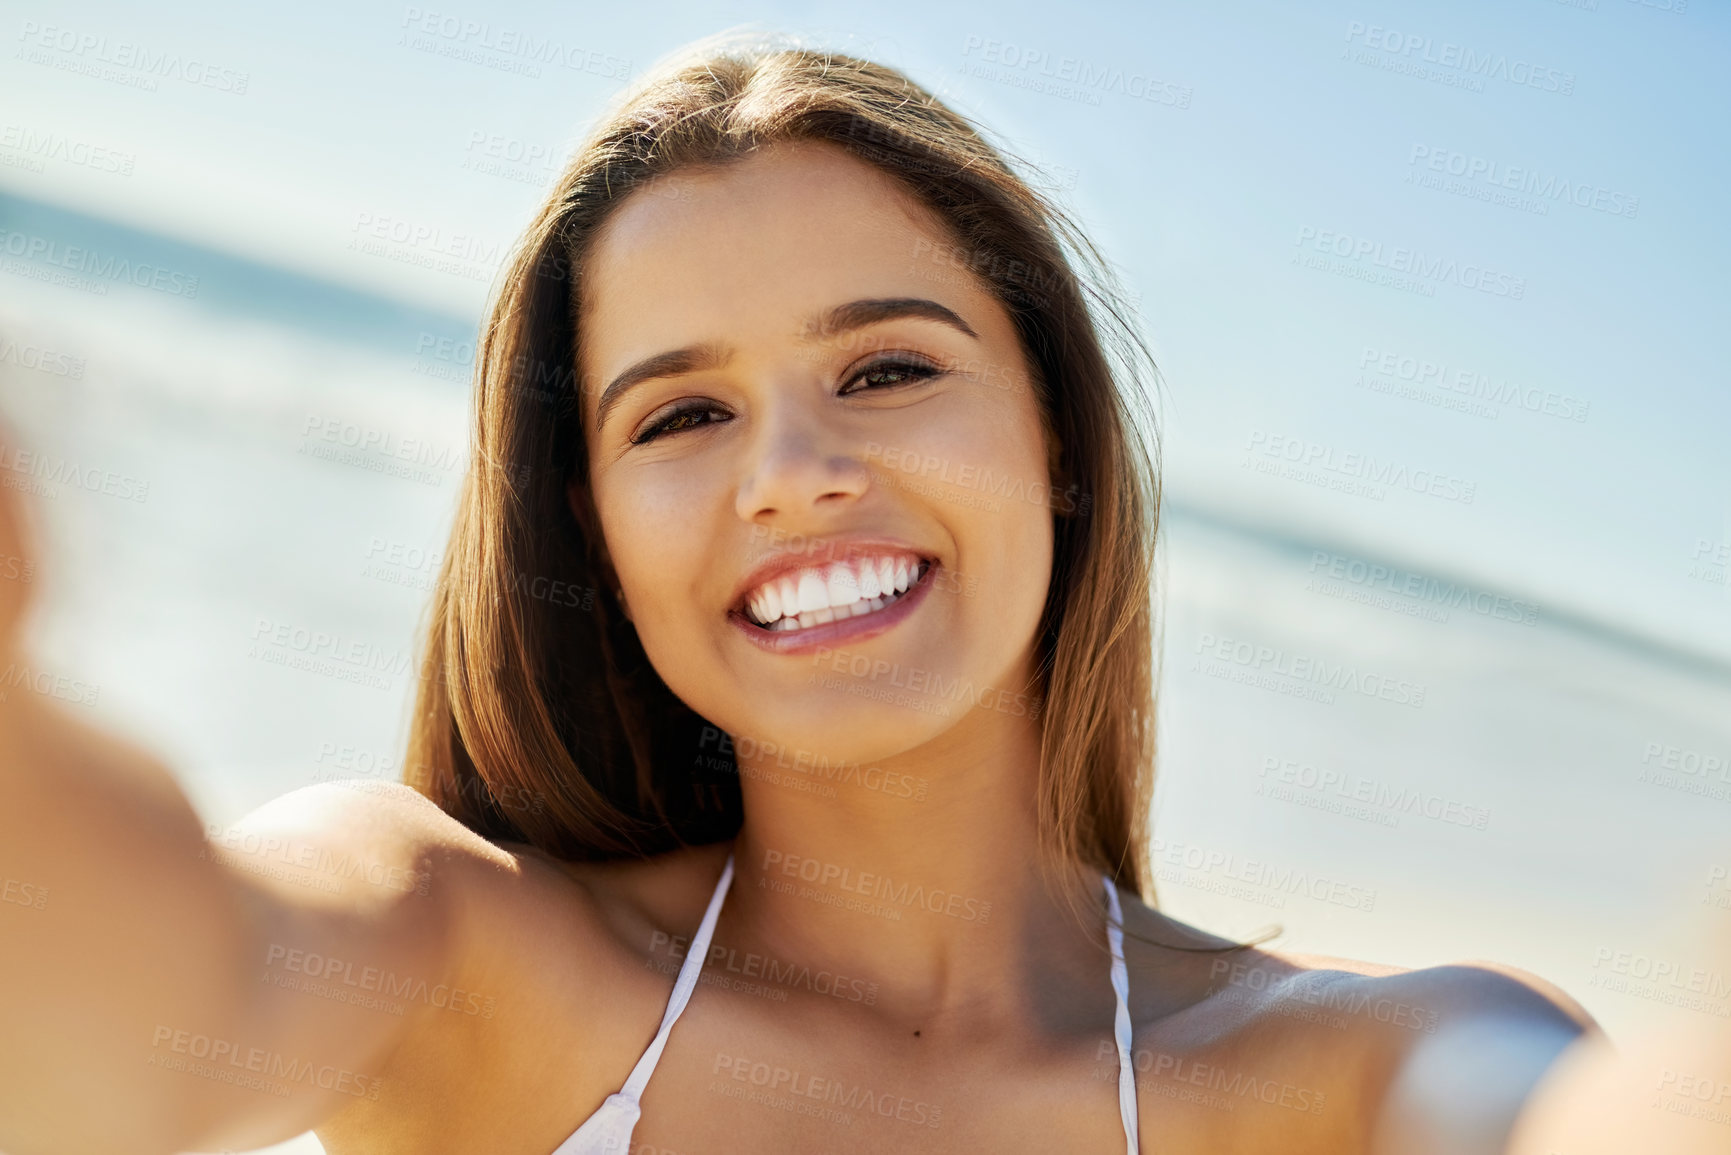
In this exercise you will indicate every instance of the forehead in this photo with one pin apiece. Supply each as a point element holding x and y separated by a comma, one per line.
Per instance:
<point>749,248</point>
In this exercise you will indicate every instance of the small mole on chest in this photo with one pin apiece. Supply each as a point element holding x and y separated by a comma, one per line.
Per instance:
<point>916,1034</point>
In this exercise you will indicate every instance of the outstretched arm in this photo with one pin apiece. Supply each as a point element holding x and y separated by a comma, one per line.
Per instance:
<point>136,953</point>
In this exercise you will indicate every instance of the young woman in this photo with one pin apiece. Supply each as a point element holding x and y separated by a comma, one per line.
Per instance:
<point>783,754</point>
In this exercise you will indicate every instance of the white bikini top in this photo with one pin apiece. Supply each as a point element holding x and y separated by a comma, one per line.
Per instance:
<point>608,1130</point>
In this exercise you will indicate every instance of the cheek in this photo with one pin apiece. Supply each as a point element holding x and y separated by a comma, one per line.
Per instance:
<point>981,468</point>
<point>974,451</point>
<point>658,525</point>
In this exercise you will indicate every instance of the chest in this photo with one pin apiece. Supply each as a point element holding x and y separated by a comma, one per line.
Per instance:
<point>749,1069</point>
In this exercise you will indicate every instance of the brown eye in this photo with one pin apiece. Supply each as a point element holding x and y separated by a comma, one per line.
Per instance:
<point>889,374</point>
<point>680,421</point>
<point>689,417</point>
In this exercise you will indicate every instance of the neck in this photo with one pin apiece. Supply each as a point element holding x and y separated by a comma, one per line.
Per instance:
<point>920,873</point>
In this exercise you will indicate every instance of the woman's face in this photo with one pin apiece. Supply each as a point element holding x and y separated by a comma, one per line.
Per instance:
<point>797,401</point>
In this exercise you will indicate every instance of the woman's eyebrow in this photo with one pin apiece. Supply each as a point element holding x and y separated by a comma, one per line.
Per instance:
<point>691,359</point>
<point>712,355</point>
<point>859,314</point>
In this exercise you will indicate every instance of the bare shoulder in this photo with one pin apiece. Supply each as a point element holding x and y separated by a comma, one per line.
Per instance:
<point>1349,1052</point>
<point>1450,991</point>
<point>504,901</point>
<point>392,838</point>
<point>537,975</point>
<point>1268,980</point>
<point>361,813</point>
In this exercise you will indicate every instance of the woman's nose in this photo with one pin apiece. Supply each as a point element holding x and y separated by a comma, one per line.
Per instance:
<point>798,464</point>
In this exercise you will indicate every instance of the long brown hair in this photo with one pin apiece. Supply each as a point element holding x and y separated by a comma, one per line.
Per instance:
<point>539,718</point>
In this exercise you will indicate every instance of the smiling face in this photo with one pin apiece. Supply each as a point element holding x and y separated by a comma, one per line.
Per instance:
<point>795,416</point>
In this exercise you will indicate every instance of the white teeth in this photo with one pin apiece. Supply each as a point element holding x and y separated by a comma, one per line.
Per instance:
<point>835,592</point>
<point>843,587</point>
<point>813,593</point>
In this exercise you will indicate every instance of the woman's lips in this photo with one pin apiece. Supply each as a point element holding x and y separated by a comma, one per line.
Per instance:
<point>829,634</point>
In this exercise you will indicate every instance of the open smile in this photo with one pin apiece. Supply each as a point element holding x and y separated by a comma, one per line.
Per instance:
<point>821,604</point>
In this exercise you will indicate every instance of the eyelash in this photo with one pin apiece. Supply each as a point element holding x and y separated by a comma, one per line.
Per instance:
<point>916,370</point>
